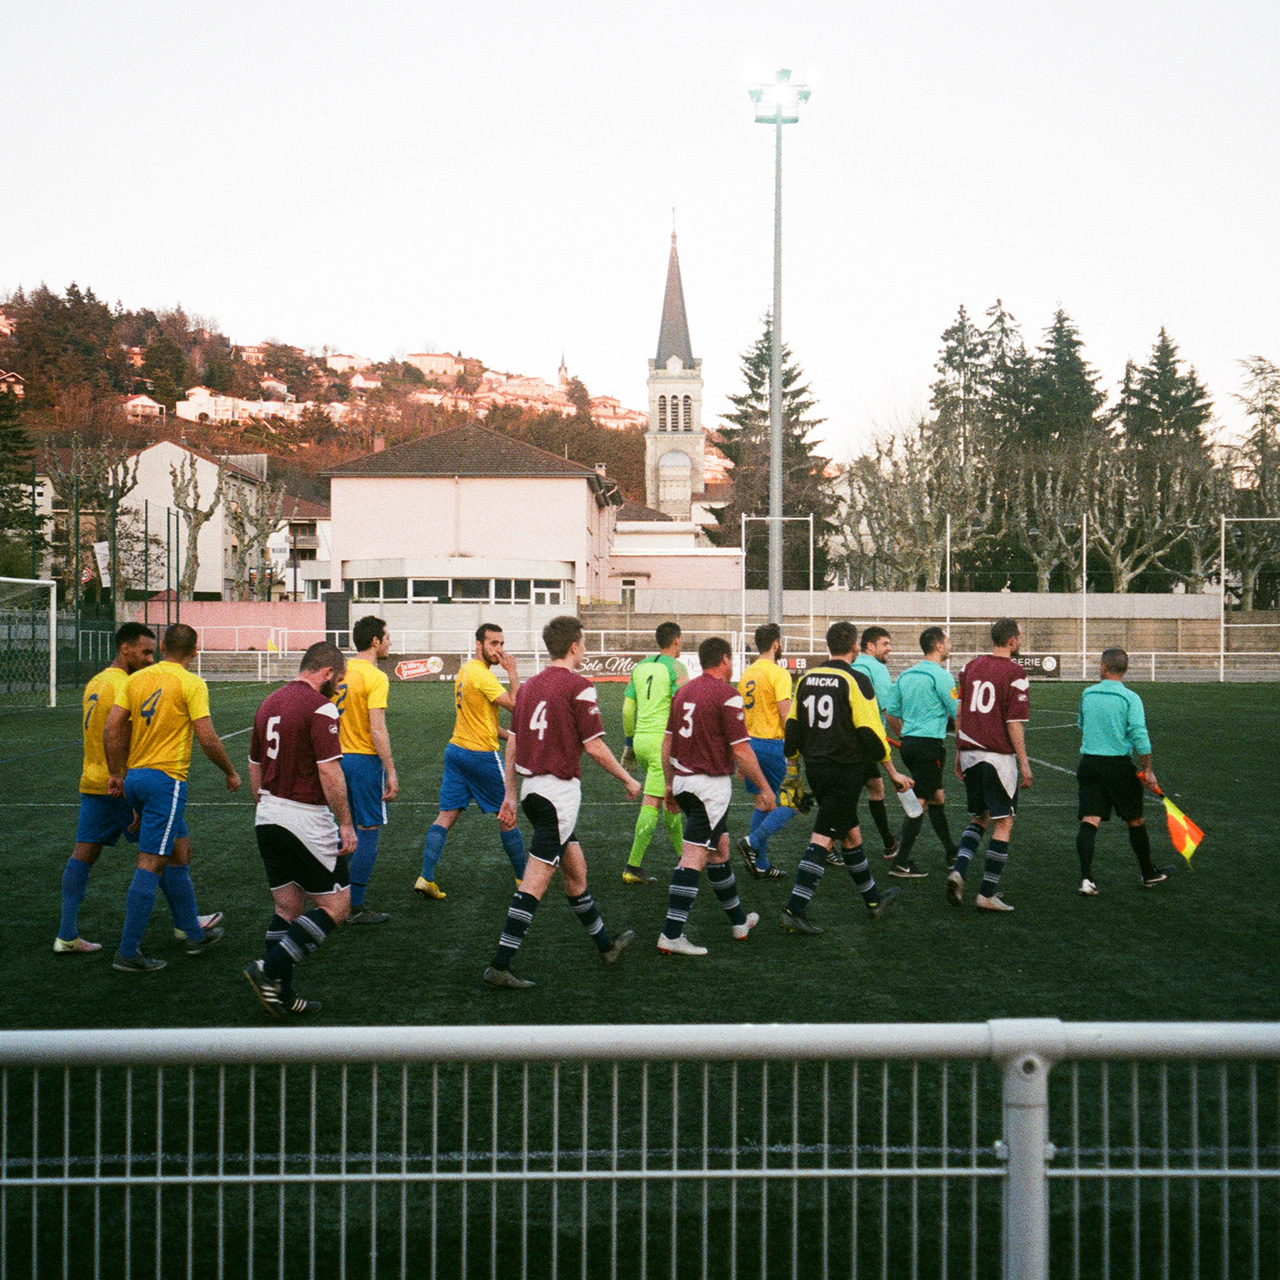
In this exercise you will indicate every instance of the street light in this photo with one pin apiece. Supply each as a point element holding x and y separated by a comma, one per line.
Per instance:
<point>777,104</point>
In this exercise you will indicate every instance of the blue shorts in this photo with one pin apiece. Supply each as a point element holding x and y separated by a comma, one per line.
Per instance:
<point>366,782</point>
<point>772,758</point>
<point>103,820</point>
<point>472,775</point>
<point>162,801</point>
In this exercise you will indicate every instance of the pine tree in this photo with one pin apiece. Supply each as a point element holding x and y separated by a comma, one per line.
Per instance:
<point>1159,402</point>
<point>806,486</point>
<point>1065,404</point>
<point>15,469</point>
<point>958,396</point>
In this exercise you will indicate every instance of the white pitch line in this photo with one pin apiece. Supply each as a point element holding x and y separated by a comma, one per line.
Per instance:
<point>1048,764</point>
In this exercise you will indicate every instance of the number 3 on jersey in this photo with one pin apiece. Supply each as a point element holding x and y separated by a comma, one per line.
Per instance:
<point>538,720</point>
<point>686,728</point>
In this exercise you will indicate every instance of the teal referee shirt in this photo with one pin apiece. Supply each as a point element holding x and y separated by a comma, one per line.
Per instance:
<point>878,674</point>
<point>1112,721</point>
<point>924,698</point>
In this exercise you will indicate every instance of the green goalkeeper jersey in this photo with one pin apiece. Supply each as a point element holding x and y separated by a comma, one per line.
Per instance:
<point>647,701</point>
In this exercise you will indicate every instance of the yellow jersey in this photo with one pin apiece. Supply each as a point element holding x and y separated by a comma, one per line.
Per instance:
<point>163,701</point>
<point>363,689</point>
<point>763,685</point>
<point>476,691</point>
<point>100,696</point>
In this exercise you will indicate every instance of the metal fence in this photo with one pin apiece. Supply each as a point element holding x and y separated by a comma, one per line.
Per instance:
<point>1021,1148</point>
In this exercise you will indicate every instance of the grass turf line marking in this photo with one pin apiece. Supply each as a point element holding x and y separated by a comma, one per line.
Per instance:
<point>1048,764</point>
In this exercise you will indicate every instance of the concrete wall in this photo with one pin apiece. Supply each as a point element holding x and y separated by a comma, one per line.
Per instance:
<point>236,625</point>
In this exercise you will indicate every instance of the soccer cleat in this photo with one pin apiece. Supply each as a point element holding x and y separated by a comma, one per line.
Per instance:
<point>1161,875</point>
<point>891,851</point>
<point>740,931</point>
<point>637,875</point>
<point>877,909</point>
<point>993,903</point>
<point>620,944</point>
<point>907,871</point>
<point>749,857</point>
<point>955,888</point>
<point>137,963</point>
<point>212,920</point>
<point>680,946</point>
<point>505,978</point>
<point>268,992</point>
<point>198,946</point>
<point>429,889</point>
<point>795,923</point>
<point>365,916</point>
<point>833,858</point>
<point>77,946</point>
<point>1088,889</point>
<point>300,1007</point>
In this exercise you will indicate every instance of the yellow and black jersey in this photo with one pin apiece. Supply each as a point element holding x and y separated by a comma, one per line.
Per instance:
<point>834,717</point>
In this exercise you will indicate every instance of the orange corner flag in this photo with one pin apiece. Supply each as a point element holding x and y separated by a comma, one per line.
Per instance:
<point>1184,833</point>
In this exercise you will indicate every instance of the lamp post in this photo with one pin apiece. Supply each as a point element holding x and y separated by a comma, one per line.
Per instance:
<point>777,104</point>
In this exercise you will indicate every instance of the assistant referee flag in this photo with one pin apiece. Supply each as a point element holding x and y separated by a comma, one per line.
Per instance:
<point>1184,833</point>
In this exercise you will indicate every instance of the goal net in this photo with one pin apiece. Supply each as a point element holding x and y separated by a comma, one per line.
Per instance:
<point>28,642</point>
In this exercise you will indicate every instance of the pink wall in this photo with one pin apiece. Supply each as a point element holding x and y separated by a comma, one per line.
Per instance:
<point>245,624</point>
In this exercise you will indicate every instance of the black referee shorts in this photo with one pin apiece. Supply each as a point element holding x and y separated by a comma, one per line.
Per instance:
<point>1106,783</point>
<point>837,788</point>
<point>289,861</point>
<point>925,759</point>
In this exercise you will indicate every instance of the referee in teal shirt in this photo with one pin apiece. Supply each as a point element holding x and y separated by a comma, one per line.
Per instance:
<point>875,645</point>
<point>1113,729</point>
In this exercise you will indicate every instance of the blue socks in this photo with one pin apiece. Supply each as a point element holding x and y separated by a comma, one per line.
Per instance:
<point>362,861</point>
<point>768,826</point>
<point>431,850</point>
<point>137,910</point>
<point>513,847</point>
<point>180,894</point>
<point>75,880</point>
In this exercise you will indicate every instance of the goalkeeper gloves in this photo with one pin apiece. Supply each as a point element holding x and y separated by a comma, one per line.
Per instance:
<point>628,760</point>
<point>792,793</point>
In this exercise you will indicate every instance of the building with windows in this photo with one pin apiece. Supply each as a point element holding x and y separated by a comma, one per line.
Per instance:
<point>675,444</point>
<point>468,517</point>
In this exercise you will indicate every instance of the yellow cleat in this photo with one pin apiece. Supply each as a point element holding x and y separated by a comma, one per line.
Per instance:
<point>637,875</point>
<point>429,889</point>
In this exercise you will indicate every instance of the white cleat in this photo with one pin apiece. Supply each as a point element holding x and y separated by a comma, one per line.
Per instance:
<point>680,946</point>
<point>993,903</point>
<point>740,931</point>
<point>211,921</point>
<point>1088,888</point>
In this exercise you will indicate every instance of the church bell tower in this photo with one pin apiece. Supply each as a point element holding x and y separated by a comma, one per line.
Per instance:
<point>675,444</point>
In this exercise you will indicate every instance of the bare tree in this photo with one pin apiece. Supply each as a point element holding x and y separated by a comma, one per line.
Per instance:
<point>186,497</point>
<point>253,515</point>
<point>1041,509</point>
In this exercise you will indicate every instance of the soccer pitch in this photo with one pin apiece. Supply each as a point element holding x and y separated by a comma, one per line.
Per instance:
<point>1201,947</point>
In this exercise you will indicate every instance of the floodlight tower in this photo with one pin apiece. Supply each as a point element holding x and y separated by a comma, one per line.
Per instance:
<point>776,104</point>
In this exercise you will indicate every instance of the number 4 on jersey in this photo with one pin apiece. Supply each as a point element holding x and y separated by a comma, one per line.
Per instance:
<point>538,720</point>
<point>148,708</point>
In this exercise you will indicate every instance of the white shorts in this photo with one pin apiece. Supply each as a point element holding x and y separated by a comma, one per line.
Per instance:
<point>313,824</point>
<point>715,793</point>
<point>564,793</point>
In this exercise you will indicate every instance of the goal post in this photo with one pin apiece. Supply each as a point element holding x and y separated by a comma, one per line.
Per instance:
<point>28,639</point>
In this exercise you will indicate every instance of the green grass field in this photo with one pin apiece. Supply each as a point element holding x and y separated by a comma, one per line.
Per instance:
<point>1200,947</point>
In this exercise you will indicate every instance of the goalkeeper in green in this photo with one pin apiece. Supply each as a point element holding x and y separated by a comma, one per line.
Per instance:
<point>645,708</point>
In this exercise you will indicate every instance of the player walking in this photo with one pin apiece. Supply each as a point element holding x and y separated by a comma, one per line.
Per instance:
<point>103,818</point>
<point>472,768</point>
<point>875,647</point>
<point>646,704</point>
<point>366,755</point>
<point>991,757</point>
<point>766,699</point>
<point>919,709</point>
<point>706,740</point>
<point>556,719</point>
<point>1113,727</point>
<point>834,724</point>
<point>149,732</point>
<point>295,774</point>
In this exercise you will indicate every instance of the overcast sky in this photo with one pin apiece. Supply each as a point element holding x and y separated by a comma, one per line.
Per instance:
<point>499,178</point>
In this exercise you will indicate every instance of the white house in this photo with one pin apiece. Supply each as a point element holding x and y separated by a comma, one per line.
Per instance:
<point>203,405</point>
<point>301,549</point>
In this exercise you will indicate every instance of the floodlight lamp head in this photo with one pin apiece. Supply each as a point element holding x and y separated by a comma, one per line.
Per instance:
<point>779,102</point>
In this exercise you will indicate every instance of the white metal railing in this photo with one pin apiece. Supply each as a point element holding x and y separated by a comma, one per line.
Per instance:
<point>886,1150</point>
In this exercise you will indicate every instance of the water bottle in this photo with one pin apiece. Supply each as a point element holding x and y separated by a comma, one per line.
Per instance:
<point>910,803</point>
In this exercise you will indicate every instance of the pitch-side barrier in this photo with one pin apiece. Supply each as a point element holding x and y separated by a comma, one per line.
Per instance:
<point>1015,1148</point>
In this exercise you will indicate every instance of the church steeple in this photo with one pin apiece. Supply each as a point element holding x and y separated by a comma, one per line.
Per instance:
<point>673,336</point>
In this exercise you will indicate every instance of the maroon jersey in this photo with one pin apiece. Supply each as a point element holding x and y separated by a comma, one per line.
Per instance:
<point>295,729</point>
<point>555,713</point>
<point>993,691</point>
<point>706,721</point>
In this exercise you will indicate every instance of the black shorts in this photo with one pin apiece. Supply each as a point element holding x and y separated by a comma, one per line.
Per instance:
<point>697,822</point>
<point>289,861</point>
<point>837,788</point>
<point>1106,783</point>
<point>925,759</point>
<point>985,792</point>
<point>546,844</point>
